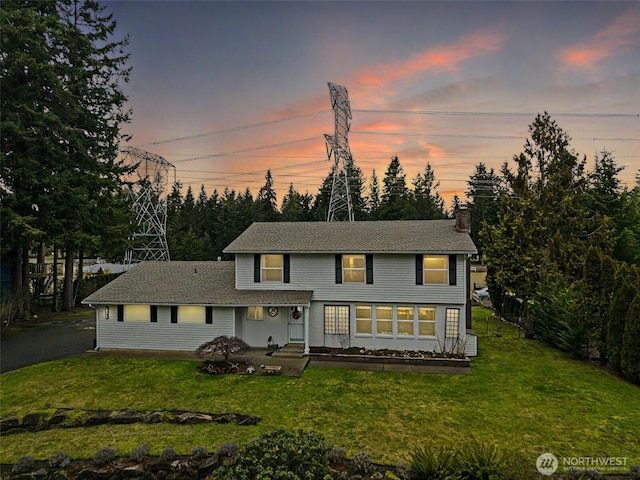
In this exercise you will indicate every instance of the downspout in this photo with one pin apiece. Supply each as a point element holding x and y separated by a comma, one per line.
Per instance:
<point>306,329</point>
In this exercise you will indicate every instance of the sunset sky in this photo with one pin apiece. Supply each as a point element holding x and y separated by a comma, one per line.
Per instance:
<point>227,90</point>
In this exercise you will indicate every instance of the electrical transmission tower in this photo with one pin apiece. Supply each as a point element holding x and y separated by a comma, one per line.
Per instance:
<point>340,205</point>
<point>149,205</point>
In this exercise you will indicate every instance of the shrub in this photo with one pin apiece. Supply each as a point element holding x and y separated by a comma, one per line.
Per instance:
<point>199,452</point>
<point>24,464</point>
<point>430,463</point>
<point>168,455</point>
<point>362,462</point>
<point>221,345</point>
<point>336,455</point>
<point>227,450</point>
<point>279,455</point>
<point>59,460</point>
<point>480,461</point>
<point>104,456</point>
<point>140,453</point>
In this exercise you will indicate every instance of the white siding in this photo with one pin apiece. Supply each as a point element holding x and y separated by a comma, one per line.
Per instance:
<point>394,280</point>
<point>162,335</point>
<point>257,332</point>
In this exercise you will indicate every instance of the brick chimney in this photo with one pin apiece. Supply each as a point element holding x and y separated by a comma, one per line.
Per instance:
<point>463,220</point>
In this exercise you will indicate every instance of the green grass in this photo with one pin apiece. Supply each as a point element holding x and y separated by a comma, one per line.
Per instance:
<point>522,395</point>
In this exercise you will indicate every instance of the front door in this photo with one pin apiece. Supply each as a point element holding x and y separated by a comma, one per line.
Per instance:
<point>296,326</point>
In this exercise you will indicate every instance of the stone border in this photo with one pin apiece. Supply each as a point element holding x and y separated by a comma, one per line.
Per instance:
<point>75,418</point>
<point>393,364</point>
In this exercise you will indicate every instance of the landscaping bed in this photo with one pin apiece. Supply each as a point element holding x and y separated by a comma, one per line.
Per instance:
<point>388,357</point>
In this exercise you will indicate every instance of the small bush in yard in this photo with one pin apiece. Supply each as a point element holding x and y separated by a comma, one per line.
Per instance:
<point>336,455</point>
<point>140,453</point>
<point>104,456</point>
<point>362,462</point>
<point>199,452</point>
<point>431,463</point>
<point>480,461</point>
<point>227,450</point>
<point>24,464</point>
<point>168,455</point>
<point>59,460</point>
<point>279,455</point>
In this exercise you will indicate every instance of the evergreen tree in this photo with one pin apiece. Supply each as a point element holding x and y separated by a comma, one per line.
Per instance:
<point>483,197</point>
<point>426,203</point>
<point>266,202</point>
<point>373,200</point>
<point>630,355</point>
<point>625,288</point>
<point>293,206</point>
<point>395,194</point>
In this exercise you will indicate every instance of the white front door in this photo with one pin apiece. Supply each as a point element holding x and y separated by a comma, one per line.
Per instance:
<point>296,326</point>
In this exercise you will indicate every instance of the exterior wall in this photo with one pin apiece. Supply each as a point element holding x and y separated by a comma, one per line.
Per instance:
<point>394,279</point>
<point>141,334</point>
<point>317,335</point>
<point>257,332</point>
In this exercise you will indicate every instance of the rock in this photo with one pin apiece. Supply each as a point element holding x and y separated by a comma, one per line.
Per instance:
<point>41,473</point>
<point>98,418</point>
<point>30,420</point>
<point>133,471</point>
<point>158,466</point>
<point>90,473</point>
<point>9,423</point>
<point>125,417</point>
<point>59,476</point>
<point>191,418</point>
<point>155,417</point>
<point>57,418</point>
<point>208,463</point>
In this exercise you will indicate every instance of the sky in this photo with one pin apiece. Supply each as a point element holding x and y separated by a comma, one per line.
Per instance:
<point>226,90</point>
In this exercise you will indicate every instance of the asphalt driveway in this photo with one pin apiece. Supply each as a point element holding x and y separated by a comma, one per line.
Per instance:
<point>44,343</point>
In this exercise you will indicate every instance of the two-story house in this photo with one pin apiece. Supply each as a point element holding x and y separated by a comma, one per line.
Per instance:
<point>400,285</point>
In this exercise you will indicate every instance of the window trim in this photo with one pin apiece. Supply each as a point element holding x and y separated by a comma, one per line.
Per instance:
<point>346,270</point>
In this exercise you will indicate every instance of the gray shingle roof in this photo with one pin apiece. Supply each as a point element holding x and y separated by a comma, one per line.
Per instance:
<point>402,236</point>
<point>174,283</point>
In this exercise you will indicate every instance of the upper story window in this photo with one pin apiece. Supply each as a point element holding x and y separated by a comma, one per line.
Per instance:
<point>436,269</point>
<point>271,268</point>
<point>354,268</point>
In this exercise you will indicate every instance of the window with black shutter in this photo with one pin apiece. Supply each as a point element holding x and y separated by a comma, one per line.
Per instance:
<point>174,314</point>
<point>209,315</point>
<point>153,313</point>
<point>369,267</point>
<point>121,313</point>
<point>452,270</point>
<point>338,268</point>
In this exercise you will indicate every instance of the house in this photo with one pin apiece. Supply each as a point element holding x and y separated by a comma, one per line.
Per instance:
<point>388,284</point>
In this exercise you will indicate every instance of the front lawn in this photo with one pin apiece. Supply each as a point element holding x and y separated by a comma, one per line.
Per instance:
<point>523,395</point>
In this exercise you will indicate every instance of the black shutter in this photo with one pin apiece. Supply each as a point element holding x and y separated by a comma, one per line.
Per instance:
<point>153,313</point>
<point>209,315</point>
<point>286,274</point>
<point>338,268</point>
<point>174,314</point>
<point>256,268</point>
<point>369,263</point>
<point>121,313</point>
<point>452,270</point>
<point>419,270</point>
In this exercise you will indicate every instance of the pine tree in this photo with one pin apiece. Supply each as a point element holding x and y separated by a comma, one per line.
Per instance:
<point>426,203</point>
<point>483,197</point>
<point>373,199</point>
<point>630,355</point>
<point>266,201</point>
<point>395,194</point>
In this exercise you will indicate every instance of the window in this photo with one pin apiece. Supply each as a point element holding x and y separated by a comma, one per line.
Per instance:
<point>136,313</point>
<point>192,314</point>
<point>405,320</point>
<point>435,269</point>
<point>384,320</point>
<point>426,321</point>
<point>336,320</point>
<point>452,324</point>
<point>364,319</point>
<point>271,268</point>
<point>255,313</point>
<point>353,268</point>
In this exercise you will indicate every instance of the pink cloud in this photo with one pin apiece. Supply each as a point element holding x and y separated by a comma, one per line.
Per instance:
<point>445,57</point>
<point>616,38</point>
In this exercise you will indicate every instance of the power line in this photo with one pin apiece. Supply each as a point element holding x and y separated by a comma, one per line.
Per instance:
<point>234,129</point>
<point>499,114</point>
